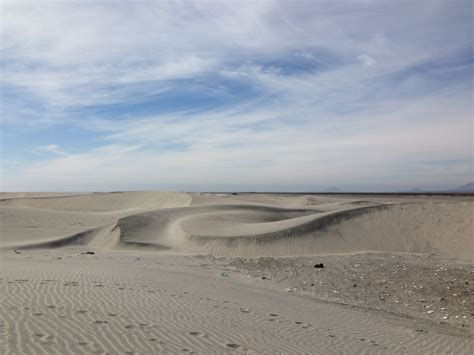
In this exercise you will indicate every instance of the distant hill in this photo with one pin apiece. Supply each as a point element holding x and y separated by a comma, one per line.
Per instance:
<point>469,187</point>
<point>415,190</point>
<point>333,189</point>
<point>464,188</point>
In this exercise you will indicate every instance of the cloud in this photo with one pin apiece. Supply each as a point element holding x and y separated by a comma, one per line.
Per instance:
<point>366,60</point>
<point>193,153</point>
<point>50,149</point>
<point>138,48</point>
<point>206,94</point>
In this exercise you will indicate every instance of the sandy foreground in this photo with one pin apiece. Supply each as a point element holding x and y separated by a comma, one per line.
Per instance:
<point>165,272</point>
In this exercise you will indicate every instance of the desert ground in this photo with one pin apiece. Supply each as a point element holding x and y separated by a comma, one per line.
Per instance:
<point>203,273</point>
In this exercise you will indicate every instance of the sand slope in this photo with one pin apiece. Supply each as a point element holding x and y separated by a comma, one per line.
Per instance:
<point>228,225</point>
<point>25,226</point>
<point>118,303</point>
<point>147,288</point>
<point>51,220</point>
<point>101,202</point>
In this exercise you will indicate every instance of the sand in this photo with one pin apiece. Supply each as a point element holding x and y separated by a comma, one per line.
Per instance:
<point>166,272</point>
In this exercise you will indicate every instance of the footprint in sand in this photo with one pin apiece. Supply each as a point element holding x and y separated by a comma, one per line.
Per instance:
<point>305,325</point>
<point>273,317</point>
<point>83,343</point>
<point>44,339</point>
<point>198,334</point>
<point>100,322</point>
<point>233,346</point>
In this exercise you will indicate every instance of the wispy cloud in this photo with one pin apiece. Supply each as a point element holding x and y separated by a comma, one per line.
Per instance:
<point>223,95</point>
<point>50,149</point>
<point>367,60</point>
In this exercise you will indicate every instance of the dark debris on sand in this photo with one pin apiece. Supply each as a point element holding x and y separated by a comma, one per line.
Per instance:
<point>414,285</point>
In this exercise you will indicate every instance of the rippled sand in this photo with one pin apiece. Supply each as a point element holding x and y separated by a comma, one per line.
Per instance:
<point>151,272</point>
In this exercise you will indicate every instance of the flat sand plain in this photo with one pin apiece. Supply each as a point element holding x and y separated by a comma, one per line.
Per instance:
<point>169,272</point>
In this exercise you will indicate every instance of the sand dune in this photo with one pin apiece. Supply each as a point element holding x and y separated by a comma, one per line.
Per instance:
<point>231,226</point>
<point>100,202</point>
<point>26,226</point>
<point>52,220</point>
<point>149,289</point>
<point>444,229</point>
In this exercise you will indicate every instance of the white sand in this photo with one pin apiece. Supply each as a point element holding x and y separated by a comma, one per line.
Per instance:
<point>140,293</point>
<point>262,225</point>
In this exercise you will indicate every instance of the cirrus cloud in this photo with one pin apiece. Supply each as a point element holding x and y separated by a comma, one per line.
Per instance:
<point>224,95</point>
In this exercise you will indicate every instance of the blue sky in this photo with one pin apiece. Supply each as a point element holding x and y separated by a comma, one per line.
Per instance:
<point>236,95</point>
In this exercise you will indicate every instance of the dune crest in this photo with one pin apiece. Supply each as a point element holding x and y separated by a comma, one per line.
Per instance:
<point>102,202</point>
<point>229,225</point>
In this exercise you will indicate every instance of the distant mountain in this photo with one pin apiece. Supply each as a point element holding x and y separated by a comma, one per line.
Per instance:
<point>465,188</point>
<point>415,190</point>
<point>333,189</point>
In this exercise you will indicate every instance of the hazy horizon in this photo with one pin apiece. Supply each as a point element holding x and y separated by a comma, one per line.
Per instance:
<point>236,96</point>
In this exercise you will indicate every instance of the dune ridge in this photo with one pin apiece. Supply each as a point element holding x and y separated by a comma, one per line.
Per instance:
<point>102,201</point>
<point>232,226</point>
<point>136,272</point>
<point>392,227</point>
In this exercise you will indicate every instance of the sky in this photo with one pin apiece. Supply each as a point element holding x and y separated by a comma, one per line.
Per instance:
<point>236,95</point>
